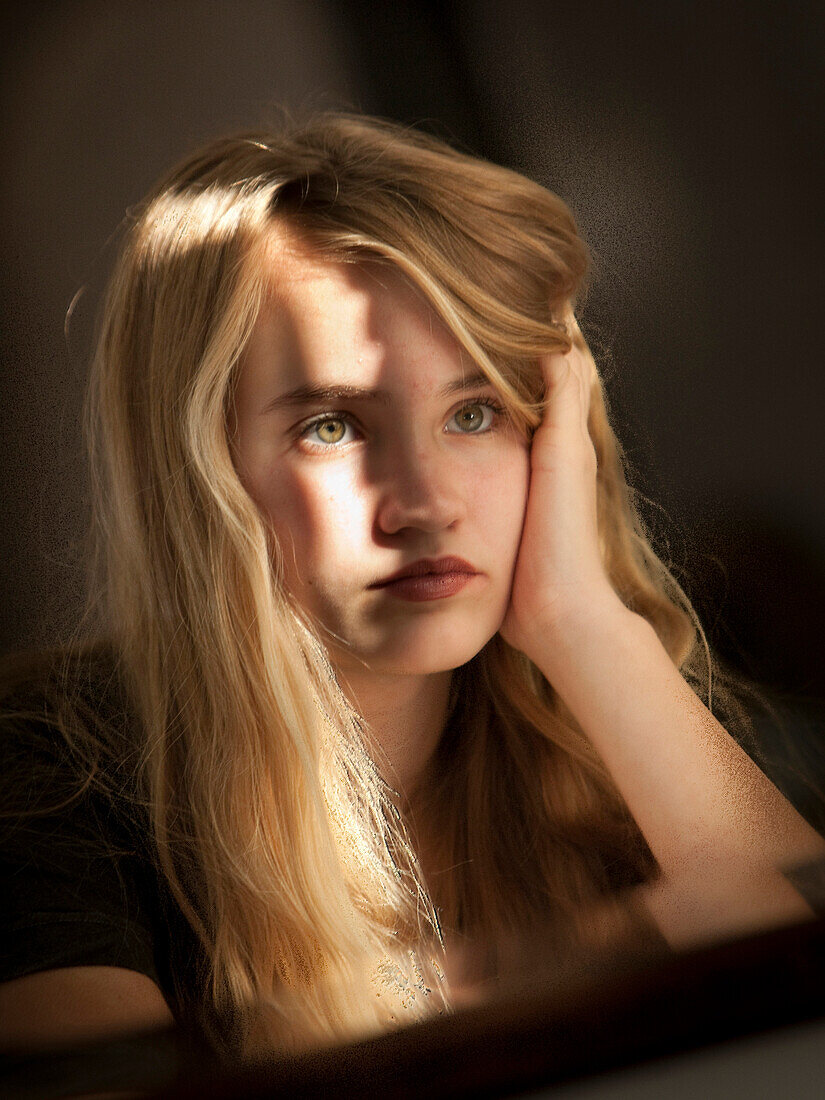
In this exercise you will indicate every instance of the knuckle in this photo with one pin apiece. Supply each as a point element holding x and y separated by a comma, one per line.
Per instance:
<point>588,456</point>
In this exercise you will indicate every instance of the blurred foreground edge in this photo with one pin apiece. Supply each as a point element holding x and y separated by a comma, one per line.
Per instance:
<point>686,1002</point>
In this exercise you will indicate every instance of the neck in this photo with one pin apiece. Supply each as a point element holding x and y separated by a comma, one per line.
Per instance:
<point>405,717</point>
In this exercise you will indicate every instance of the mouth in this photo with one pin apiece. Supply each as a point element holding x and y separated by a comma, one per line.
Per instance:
<point>429,567</point>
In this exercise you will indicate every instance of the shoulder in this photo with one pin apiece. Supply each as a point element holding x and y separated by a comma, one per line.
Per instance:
<point>69,750</point>
<point>82,885</point>
<point>79,886</point>
<point>64,719</point>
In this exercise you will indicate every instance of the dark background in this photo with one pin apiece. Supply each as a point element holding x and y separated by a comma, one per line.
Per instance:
<point>685,137</point>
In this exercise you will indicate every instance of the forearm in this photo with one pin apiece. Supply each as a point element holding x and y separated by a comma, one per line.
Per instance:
<point>695,794</point>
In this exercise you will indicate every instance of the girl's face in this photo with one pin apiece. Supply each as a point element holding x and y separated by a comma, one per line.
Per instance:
<point>369,442</point>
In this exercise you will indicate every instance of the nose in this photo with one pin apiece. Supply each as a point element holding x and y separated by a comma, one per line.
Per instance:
<point>421,490</point>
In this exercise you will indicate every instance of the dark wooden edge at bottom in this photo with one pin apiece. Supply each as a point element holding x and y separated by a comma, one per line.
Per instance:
<point>679,1004</point>
<point>643,1011</point>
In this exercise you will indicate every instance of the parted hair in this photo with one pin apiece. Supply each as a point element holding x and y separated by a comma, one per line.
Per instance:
<point>285,849</point>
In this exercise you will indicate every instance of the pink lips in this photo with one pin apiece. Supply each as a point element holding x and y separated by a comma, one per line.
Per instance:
<point>429,579</point>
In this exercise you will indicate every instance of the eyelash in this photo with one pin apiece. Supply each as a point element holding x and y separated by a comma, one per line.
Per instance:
<point>304,429</point>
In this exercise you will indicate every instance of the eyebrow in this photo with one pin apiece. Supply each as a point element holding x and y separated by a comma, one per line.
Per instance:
<point>321,395</point>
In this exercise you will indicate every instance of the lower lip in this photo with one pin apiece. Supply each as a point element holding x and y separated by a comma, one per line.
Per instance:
<point>432,586</point>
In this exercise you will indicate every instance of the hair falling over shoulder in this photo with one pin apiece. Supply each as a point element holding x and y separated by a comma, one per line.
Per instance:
<point>281,843</point>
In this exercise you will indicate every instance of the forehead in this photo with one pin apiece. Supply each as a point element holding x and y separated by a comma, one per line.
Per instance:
<point>321,317</point>
<point>298,277</point>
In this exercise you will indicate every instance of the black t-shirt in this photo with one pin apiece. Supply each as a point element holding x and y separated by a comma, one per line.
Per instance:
<point>80,881</point>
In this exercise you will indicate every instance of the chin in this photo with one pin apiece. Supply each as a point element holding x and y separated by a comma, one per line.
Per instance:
<point>426,656</point>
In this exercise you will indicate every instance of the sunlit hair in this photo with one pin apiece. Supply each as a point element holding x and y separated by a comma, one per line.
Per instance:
<point>283,846</point>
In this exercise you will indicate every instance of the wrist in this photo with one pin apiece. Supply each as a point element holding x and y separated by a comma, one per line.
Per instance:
<point>582,614</point>
<point>581,631</point>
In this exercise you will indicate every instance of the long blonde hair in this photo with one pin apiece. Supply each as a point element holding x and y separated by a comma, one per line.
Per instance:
<point>281,843</point>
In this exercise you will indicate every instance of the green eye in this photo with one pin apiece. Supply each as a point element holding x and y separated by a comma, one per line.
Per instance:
<point>331,431</point>
<point>475,418</point>
<point>328,432</point>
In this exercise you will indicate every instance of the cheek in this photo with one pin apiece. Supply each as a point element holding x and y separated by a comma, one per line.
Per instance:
<point>500,500</point>
<point>319,523</point>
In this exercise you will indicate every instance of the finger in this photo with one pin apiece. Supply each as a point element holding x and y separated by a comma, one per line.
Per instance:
<point>562,435</point>
<point>579,342</point>
<point>585,366</point>
<point>568,389</point>
<point>581,359</point>
<point>562,406</point>
<point>579,362</point>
